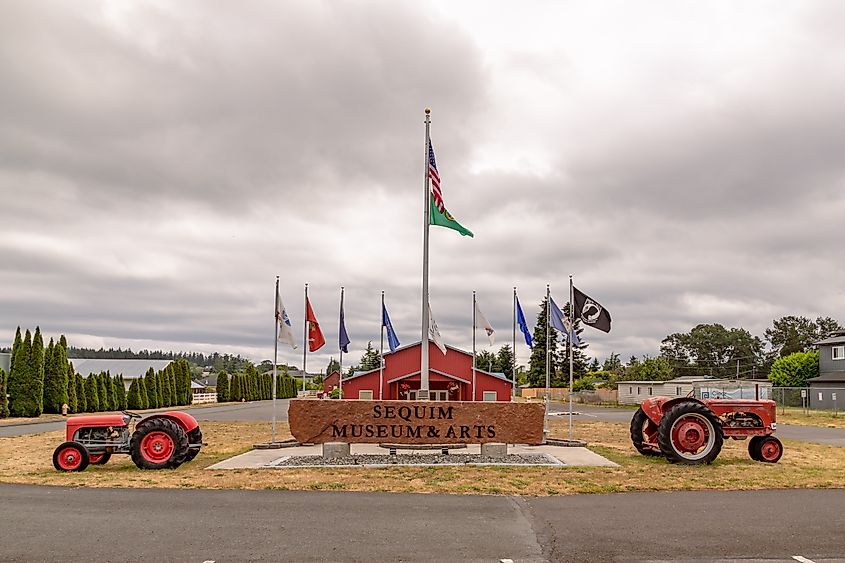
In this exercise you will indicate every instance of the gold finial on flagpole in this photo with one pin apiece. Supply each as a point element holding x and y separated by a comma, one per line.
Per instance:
<point>427,111</point>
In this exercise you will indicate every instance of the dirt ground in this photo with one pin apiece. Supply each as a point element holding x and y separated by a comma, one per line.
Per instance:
<point>28,459</point>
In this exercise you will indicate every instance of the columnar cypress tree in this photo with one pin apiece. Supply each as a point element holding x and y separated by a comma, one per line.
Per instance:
<point>55,377</point>
<point>92,393</point>
<point>115,400</point>
<point>72,400</point>
<point>171,374</point>
<point>15,346</point>
<point>160,390</point>
<point>222,387</point>
<point>235,388</point>
<point>133,397</point>
<point>249,373</point>
<point>36,358</point>
<point>150,381</point>
<point>164,386</point>
<point>103,392</point>
<point>4,403</point>
<point>121,392</point>
<point>81,399</point>
<point>142,390</point>
<point>23,392</point>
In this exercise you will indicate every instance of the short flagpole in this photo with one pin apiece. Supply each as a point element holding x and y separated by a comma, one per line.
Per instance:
<point>305,340</point>
<point>548,392</point>
<point>340,372</point>
<point>381,351</point>
<point>513,359</point>
<point>275,357</point>
<point>473,344</point>
<point>571,348</point>
<point>423,392</point>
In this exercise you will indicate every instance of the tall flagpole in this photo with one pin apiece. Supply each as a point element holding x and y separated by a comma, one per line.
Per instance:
<point>305,339</point>
<point>473,345</point>
<point>546,417</point>
<point>381,351</point>
<point>423,392</point>
<point>513,358</point>
<point>275,357</point>
<point>571,348</point>
<point>340,371</point>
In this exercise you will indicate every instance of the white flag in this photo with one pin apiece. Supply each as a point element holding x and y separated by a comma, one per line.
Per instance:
<point>434,332</point>
<point>481,320</point>
<point>285,329</point>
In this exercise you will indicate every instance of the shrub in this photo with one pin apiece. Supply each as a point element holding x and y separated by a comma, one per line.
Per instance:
<point>582,384</point>
<point>795,369</point>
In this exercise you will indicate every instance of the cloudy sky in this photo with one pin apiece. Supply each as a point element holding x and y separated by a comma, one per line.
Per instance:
<point>162,162</point>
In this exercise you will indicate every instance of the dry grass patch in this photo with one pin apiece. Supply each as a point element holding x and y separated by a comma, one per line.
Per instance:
<point>794,415</point>
<point>28,459</point>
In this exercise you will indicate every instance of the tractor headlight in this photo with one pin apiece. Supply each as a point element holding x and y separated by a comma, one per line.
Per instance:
<point>774,426</point>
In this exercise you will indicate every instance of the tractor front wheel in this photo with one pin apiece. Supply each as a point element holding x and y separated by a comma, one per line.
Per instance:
<point>767,449</point>
<point>70,456</point>
<point>641,427</point>
<point>157,444</point>
<point>690,433</point>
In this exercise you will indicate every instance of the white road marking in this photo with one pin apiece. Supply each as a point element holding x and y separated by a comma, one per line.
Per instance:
<point>208,561</point>
<point>802,559</point>
<point>505,560</point>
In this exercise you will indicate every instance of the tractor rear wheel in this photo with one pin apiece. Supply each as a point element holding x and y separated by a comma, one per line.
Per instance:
<point>640,426</point>
<point>194,437</point>
<point>70,456</point>
<point>767,449</point>
<point>99,459</point>
<point>157,444</point>
<point>690,433</point>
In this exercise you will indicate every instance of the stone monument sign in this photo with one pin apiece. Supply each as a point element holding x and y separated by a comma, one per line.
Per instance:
<point>415,422</point>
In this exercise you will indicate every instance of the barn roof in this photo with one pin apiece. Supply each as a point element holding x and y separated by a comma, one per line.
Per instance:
<point>129,369</point>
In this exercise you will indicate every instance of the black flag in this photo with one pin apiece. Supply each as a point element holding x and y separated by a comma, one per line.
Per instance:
<point>590,311</point>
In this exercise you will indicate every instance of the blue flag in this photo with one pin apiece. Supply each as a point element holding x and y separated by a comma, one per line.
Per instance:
<point>520,320</point>
<point>561,323</point>
<point>343,338</point>
<point>392,341</point>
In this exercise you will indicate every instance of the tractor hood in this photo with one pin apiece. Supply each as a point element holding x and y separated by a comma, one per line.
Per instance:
<point>74,423</point>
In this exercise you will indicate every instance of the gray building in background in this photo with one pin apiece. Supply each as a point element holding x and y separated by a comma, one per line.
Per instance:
<point>5,361</point>
<point>827,391</point>
<point>129,369</point>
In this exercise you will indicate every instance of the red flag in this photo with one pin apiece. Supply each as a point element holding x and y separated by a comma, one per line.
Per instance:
<point>316,340</point>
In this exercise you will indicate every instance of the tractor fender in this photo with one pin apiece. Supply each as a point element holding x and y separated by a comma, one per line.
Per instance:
<point>183,419</point>
<point>656,407</point>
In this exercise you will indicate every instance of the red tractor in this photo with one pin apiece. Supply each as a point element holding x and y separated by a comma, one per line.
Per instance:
<point>159,441</point>
<point>688,430</point>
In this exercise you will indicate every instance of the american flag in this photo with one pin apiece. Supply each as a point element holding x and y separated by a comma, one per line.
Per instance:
<point>435,179</point>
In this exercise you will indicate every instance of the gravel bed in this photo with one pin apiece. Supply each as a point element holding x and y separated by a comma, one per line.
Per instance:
<point>415,459</point>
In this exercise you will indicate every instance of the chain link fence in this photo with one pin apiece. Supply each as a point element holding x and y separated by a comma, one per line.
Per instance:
<point>810,398</point>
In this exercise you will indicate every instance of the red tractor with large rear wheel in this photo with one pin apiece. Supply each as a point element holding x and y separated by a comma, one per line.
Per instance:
<point>159,441</point>
<point>689,430</point>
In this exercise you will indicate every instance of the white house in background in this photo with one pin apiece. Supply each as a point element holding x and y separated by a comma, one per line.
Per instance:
<point>130,369</point>
<point>634,392</point>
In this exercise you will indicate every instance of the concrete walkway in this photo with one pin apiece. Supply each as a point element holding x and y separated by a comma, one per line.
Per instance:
<point>267,459</point>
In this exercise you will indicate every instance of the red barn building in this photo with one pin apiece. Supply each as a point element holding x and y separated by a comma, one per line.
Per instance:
<point>449,377</point>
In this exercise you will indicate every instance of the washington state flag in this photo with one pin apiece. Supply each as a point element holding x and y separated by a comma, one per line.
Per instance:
<point>444,219</point>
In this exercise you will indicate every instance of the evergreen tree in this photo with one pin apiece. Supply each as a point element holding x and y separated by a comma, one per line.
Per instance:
<point>72,400</point>
<point>249,375</point>
<point>333,366</point>
<point>4,403</point>
<point>537,363</point>
<point>222,387</point>
<point>36,359</point>
<point>160,389</point>
<point>113,393</point>
<point>121,392</point>
<point>103,392</point>
<point>150,381</point>
<point>142,389</point>
<point>133,397</point>
<point>172,376</point>
<point>23,391</point>
<point>613,363</point>
<point>81,398</point>
<point>579,358</point>
<point>55,377</point>
<point>17,344</point>
<point>92,393</point>
<point>235,388</point>
<point>504,360</point>
<point>371,358</point>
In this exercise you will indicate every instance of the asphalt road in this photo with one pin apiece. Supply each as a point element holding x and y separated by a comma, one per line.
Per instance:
<point>47,523</point>
<point>263,410</point>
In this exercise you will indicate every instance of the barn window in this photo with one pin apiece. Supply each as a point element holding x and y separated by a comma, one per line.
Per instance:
<point>638,390</point>
<point>365,394</point>
<point>838,353</point>
<point>489,396</point>
<point>631,390</point>
<point>677,391</point>
<point>650,392</point>
<point>820,395</point>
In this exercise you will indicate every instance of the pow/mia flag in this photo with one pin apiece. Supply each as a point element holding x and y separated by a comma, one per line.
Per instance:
<point>590,311</point>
